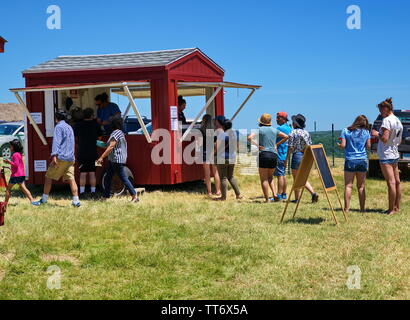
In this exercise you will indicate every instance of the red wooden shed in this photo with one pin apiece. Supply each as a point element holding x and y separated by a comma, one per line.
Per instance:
<point>161,76</point>
<point>2,43</point>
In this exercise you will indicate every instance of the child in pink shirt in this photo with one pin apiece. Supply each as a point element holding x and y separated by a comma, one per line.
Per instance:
<point>18,175</point>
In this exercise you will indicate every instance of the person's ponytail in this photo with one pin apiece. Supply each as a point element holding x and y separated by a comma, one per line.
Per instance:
<point>388,103</point>
<point>228,125</point>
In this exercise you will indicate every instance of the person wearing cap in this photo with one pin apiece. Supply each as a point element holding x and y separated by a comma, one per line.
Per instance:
<point>282,120</point>
<point>226,152</point>
<point>268,155</point>
<point>62,160</point>
<point>299,140</point>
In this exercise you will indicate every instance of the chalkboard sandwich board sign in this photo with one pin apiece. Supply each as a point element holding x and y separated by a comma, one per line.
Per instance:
<point>315,155</point>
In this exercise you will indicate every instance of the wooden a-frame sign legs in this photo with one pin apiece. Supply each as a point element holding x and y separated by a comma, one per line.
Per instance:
<point>315,154</point>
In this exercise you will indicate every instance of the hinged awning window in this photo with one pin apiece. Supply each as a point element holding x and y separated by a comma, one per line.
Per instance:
<point>218,87</point>
<point>193,89</point>
<point>124,86</point>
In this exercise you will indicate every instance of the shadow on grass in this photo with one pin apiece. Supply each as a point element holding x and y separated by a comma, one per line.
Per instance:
<point>196,187</point>
<point>61,192</point>
<point>309,221</point>
<point>377,211</point>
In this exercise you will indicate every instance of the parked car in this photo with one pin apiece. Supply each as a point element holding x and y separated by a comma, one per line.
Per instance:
<point>9,132</point>
<point>404,148</point>
<point>131,124</point>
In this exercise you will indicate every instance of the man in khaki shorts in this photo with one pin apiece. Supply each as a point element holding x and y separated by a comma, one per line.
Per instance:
<point>62,160</point>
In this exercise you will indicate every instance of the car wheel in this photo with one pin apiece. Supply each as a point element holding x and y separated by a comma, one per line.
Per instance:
<point>5,151</point>
<point>375,170</point>
<point>117,186</point>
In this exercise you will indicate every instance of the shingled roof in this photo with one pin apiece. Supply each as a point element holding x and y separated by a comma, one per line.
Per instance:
<point>108,61</point>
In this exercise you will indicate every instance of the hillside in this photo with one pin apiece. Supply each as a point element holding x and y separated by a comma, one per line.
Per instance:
<point>325,138</point>
<point>10,112</point>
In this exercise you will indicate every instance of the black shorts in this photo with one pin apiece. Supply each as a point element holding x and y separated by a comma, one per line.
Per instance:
<point>268,160</point>
<point>17,180</point>
<point>87,166</point>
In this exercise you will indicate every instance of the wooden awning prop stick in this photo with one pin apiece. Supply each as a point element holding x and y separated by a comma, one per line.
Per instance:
<point>138,114</point>
<point>33,123</point>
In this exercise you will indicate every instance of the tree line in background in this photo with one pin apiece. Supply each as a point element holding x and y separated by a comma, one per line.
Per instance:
<point>330,144</point>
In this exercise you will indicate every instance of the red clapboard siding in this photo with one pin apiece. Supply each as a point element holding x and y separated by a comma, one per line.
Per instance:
<point>164,93</point>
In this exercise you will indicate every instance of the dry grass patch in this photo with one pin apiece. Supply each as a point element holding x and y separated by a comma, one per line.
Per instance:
<point>60,258</point>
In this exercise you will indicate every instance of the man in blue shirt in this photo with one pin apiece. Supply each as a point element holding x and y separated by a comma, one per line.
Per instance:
<point>282,120</point>
<point>106,111</point>
<point>62,160</point>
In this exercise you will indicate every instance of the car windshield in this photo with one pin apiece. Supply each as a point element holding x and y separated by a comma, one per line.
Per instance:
<point>403,116</point>
<point>7,130</point>
<point>149,129</point>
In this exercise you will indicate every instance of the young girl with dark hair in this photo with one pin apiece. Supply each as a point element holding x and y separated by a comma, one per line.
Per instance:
<point>355,139</point>
<point>18,175</point>
<point>117,155</point>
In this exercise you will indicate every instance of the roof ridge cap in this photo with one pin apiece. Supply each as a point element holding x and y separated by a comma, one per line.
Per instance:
<point>122,54</point>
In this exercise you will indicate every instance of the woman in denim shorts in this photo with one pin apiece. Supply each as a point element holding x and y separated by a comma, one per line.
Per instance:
<point>355,140</point>
<point>390,137</point>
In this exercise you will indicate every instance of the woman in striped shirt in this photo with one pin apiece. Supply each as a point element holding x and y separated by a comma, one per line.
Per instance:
<point>117,158</point>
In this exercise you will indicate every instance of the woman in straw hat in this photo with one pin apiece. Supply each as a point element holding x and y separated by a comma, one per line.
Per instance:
<point>268,155</point>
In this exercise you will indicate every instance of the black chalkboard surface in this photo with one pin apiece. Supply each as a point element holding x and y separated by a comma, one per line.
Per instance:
<point>315,154</point>
<point>324,168</point>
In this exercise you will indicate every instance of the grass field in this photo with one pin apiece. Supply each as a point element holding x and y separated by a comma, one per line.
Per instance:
<point>177,244</point>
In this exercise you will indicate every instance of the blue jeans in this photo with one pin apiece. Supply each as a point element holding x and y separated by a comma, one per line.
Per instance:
<point>119,169</point>
<point>356,165</point>
<point>297,160</point>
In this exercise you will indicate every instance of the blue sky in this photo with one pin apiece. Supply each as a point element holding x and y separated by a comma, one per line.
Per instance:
<point>300,51</point>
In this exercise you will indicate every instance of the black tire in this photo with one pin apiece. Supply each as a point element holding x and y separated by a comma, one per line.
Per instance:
<point>5,151</point>
<point>375,170</point>
<point>404,171</point>
<point>118,188</point>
